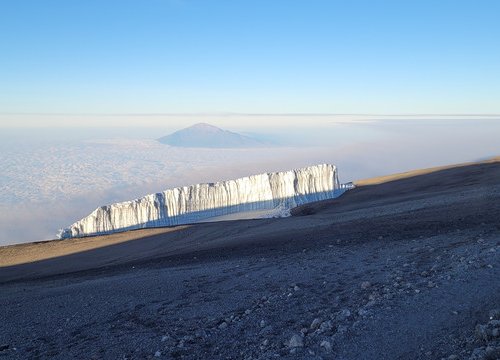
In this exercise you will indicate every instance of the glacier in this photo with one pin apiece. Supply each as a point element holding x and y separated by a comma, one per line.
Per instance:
<point>196,203</point>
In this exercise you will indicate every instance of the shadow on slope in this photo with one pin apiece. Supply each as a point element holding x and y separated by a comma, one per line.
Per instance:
<point>209,215</point>
<point>212,241</point>
<point>408,185</point>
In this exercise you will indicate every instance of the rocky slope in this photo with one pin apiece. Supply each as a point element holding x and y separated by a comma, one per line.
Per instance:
<point>403,269</point>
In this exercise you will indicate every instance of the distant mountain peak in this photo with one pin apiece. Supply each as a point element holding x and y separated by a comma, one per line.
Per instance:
<point>209,136</point>
<point>203,125</point>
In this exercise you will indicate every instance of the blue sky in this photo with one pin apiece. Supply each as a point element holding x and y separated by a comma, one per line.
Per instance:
<point>199,56</point>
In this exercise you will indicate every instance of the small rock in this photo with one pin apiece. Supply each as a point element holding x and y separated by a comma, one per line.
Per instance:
<point>296,341</point>
<point>341,329</point>
<point>363,312</point>
<point>494,323</point>
<point>262,323</point>
<point>165,338</point>
<point>326,345</point>
<point>158,353</point>
<point>494,314</point>
<point>453,357</point>
<point>482,332</point>
<point>223,325</point>
<point>267,330</point>
<point>200,333</point>
<point>248,312</point>
<point>315,324</point>
<point>477,354</point>
<point>492,353</point>
<point>325,326</point>
<point>265,342</point>
<point>344,314</point>
<point>431,284</point>
<point>365,285</point>
<point>188,338</point>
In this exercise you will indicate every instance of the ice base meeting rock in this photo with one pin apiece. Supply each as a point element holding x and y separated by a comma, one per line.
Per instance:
<point>191,204</point>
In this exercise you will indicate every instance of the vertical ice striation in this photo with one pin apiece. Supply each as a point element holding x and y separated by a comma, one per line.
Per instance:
<point>190,204</point>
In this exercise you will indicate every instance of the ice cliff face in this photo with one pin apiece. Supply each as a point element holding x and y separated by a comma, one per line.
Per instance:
<point>190,204</point>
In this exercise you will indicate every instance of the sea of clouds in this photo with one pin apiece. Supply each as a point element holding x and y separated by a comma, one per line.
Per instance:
<point>52,177</point>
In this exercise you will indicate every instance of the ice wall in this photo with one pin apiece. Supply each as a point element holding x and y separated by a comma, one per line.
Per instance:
<point>190,204</point>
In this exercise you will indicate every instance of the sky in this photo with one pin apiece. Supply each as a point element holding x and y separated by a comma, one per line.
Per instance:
<point>92,59</point>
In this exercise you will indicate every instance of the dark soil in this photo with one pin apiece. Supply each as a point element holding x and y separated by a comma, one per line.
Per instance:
<point>405,269</point>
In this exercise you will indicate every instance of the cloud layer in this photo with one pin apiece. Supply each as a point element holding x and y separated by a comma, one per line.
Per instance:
<point>46,185</point>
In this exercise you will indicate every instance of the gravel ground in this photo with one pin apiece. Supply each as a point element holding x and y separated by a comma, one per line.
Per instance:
<point>407,269</point>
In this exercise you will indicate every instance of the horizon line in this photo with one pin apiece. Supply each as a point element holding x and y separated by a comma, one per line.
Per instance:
<point>246,114</point>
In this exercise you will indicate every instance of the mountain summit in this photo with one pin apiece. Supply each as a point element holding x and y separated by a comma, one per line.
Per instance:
<point>209,136</point>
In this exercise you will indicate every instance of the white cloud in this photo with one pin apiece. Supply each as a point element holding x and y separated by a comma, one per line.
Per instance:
<point>45,185</point>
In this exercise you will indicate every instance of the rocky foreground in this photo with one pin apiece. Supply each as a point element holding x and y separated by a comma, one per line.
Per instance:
<point>405,267</point>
